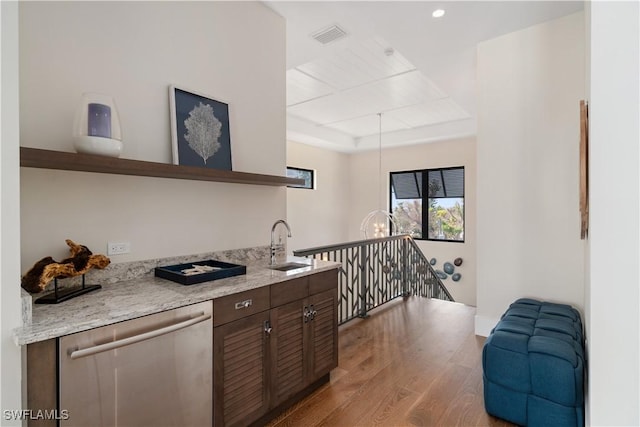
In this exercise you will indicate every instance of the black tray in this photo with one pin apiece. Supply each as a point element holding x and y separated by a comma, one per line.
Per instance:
<point>175,274</point>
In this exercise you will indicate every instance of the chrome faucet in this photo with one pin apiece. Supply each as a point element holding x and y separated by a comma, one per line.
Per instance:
<point>279,246</point>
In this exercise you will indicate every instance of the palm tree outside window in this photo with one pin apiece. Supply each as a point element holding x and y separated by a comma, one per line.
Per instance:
<point>443,220</point>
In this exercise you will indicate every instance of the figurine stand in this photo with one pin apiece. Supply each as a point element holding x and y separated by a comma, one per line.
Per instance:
<point>58,296</point>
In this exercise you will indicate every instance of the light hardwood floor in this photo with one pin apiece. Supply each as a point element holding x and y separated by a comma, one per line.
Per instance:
<point>413,362</point>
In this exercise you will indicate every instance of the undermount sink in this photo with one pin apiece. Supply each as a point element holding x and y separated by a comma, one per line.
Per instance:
<point>288,266</point>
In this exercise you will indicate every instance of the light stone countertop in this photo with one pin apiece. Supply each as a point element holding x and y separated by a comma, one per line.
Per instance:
<point>132,298</point>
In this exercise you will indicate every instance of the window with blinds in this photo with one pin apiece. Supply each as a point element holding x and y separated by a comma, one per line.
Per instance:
<point>443,215</point>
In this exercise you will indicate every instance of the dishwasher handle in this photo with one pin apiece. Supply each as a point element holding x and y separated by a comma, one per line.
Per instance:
<point>138,338</point>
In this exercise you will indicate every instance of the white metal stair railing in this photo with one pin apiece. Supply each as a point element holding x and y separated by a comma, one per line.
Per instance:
<point>376,271</point>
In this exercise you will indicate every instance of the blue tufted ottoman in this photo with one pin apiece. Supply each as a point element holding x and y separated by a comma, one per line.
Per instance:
<point>533,365</point>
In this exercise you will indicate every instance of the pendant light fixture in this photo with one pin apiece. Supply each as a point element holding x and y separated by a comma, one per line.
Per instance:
<point>379,222</point>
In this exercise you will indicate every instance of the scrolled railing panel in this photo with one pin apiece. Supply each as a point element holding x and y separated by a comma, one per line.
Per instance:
<point>376,271</point>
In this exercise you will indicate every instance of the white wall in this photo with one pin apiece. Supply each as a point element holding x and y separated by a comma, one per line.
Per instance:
<point>614,234</point>
<point>364,198</point>
<point>232,51</point>
<point>317,217</point>
<point>10,312</point>
<point>587,249</point>
<point>530,83</point>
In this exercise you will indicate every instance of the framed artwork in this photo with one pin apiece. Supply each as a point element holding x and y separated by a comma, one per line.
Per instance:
<point>199,130</point>
<point>584,170</point>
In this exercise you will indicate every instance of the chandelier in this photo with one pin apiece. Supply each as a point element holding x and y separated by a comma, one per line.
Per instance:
<point>379,222</point>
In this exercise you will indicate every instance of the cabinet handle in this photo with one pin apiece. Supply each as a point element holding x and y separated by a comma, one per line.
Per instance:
<point>244,304</point>
<point>137,338</point>
<point>312,312</point>
<point>306,314</point>
<point>267,327</point>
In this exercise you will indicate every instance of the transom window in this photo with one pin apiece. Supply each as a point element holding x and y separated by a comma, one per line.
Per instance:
<point>443,219</point>
<point>299,173</point>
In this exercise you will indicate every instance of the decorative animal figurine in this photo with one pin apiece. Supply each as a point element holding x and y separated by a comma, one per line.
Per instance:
<point>47,269</point>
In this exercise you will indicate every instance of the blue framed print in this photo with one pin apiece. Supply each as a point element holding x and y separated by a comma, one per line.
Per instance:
<point>199,130</point>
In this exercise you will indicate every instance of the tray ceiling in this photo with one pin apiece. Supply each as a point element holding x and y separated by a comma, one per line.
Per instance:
<point>392,58</point>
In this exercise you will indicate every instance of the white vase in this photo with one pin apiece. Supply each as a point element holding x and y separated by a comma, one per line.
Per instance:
<point>96,128</point>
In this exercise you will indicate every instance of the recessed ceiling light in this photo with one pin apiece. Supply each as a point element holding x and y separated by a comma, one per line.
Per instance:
<point>438,13</point>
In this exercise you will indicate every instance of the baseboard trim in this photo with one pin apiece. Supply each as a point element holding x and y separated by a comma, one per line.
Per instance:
<point>484,325</point>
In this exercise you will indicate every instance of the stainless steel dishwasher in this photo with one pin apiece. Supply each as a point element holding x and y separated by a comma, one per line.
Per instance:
<point>151,371</point>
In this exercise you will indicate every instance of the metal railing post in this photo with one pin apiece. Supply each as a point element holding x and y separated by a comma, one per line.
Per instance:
<point>362,295</point>
<point>405,268</point>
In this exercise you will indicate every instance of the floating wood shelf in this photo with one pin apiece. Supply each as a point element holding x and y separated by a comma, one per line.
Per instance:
<point>48,159</point>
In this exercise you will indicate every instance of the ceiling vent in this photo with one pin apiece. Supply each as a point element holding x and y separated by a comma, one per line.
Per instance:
<point>329,34</point>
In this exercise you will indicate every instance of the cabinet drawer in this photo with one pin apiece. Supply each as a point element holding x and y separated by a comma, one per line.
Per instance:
<point>237,306</point>
<point>291,290</point>
<point>323,281</point>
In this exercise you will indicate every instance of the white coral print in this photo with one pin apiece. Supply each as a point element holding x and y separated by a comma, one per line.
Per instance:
<point>203,131</point>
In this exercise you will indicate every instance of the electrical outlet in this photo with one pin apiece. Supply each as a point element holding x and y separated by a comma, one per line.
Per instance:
<point>118,248</point>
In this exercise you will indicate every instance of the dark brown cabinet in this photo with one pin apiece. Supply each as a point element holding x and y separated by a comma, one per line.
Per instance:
<point>42,384</point>
<point>240,377</point>
<point>240,353</point>
<point>266,359</point>
<point>304,341</point>
<point>287,351</point>
<point>322,335</point>
<point>323,330</point>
